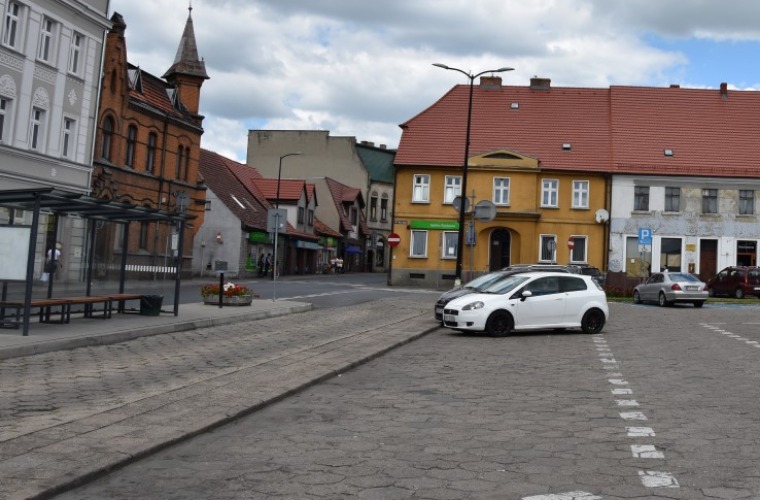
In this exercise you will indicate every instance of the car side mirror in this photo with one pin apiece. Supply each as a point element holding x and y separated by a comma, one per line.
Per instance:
<point>526,294</point>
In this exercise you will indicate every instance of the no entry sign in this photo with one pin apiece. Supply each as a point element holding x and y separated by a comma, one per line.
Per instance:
<point>570,243</point>
<point>393,239</point>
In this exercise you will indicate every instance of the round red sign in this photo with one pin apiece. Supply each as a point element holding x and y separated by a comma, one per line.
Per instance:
<point>570,243</point>
<point>393,239</point>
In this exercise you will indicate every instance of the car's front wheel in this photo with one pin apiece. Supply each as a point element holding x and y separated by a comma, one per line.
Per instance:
<point>662,300</point>
<point>499,324</point>
<point>593,321</point>
<point>636,297</point>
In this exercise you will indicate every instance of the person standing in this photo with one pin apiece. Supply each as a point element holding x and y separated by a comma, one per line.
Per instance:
<point>260,265</point>
<point>52,262</point>
<point>267,264</point>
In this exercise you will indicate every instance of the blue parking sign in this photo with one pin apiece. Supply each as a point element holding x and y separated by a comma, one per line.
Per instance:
<point>645,236</point>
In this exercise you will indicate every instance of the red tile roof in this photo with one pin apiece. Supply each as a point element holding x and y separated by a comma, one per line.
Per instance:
<point>345,195</point>
<point>619,130</point>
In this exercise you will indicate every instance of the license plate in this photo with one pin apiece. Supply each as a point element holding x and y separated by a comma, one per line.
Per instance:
<point>449,318</point>
<point>757,288</point>
<point>439,310</point>
<point>692,288</point>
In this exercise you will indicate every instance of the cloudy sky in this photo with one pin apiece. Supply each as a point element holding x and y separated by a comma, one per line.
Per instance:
<point>361,67</point>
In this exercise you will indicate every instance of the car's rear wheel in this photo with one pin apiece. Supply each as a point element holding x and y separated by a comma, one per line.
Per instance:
<point>636,297</point>
<point>711,292</point>
<point>593,321</point>
<point>699,303</point>
<point>499,324</point>
<point>662,300</point>
<point>739,294</point>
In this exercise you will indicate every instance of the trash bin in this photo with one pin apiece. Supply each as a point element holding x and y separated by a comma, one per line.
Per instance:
<point>150,305</point>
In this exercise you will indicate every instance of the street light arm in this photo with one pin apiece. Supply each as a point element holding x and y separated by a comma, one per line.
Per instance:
<point>470,75</point>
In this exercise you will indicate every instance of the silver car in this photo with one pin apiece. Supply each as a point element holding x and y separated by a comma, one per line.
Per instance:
<point>668,288</point>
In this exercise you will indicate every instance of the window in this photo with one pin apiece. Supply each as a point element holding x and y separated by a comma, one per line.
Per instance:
<point>151,158</point>
<point>549,190</point>
<point>300,215</point>
<point>580,194</point>
<point>186,172</point>
<point>746,202</point>
<point>354,216</point>
<point>131,144</point>
<point>384,208</point>
<point>419,244</point>
<point>36,134</point>
<point>449,242</point>
<point>548,247</point>
<point>105,145</point>
<point>670,254</point>
<point>4,111</point>
<point>67,138</point>
<point>46,49</point>
<point>180,162</point>
<point>709,201</point>
<point>75,53</point>
<point>421,192</point>
<point>641,198</point>
<point>310,217</point>
<point>501,190</point>
<point>373,207</point>
<point>12,26</point>
<point>452,188</point>
<point>144,226</point>
<point>672,199</point>
<point>578,254</point>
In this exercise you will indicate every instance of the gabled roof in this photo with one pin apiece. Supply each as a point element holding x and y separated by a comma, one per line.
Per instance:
<point>217,173</point>
<point>152,93</point>
<point>291,190</point>
<point>343,195</point>
<point>617,130</point>
<point>325,230</point>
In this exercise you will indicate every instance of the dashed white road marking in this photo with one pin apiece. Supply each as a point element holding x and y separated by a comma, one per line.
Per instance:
<point>627,402</point>
<point>653,479</point>
<point>617,381</point>
<point>640,431</point>
<point>646,451</point>
<point>620,392</point>
<point>632,415</point>
<point>571,495</point>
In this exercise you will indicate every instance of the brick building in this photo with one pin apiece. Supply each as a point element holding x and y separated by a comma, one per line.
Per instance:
<point>147,149</point>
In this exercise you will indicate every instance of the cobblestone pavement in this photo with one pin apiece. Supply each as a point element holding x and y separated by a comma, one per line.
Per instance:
<point>69,415</point>
<point>663,404</point>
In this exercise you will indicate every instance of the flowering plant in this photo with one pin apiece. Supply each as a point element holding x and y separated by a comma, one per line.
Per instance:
<point>229,290</point>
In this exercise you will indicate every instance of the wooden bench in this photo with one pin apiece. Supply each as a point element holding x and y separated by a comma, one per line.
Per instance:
<point>121,298</point>
<point>89,305</point>
<point>49,308</point>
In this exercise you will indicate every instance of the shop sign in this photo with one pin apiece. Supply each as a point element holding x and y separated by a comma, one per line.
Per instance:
<point>442,225</point>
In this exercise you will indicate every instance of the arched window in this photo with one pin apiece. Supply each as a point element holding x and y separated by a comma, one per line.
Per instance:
<point>107,139</point>
<point>131,145</point>
<point>180,161</point>
<point>373,207</point>
<point>187,164</point>
<point>150,160</point>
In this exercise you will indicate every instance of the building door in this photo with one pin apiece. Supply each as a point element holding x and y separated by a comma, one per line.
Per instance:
<point>708,259</point>
<point>500,249</point>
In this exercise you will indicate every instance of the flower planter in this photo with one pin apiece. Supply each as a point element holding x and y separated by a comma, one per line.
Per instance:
<point>237,300</point>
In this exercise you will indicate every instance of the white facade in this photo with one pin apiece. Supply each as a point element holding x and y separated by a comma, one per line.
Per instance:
<point>697,224</point>
<point>50,63</point>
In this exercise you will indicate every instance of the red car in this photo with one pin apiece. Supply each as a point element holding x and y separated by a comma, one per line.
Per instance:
<point>736,281</point>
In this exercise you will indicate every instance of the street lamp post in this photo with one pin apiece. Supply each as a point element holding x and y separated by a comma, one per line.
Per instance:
<point>460,234</point>
<point>277,226</point>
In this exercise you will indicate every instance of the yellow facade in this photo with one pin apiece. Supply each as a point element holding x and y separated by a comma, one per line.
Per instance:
<point>538,206</point>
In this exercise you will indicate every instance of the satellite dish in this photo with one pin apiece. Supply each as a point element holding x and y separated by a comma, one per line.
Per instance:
<point>458,201</point>
<point>485,211</point>
<point>602,216</point>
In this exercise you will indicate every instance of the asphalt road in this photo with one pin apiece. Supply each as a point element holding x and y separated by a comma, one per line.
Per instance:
<point>663,404</point>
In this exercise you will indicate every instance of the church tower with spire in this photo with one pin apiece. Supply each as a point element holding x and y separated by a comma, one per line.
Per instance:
<point>188,71</point>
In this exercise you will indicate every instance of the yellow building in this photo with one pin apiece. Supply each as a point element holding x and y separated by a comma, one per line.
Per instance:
<point>543,174</point>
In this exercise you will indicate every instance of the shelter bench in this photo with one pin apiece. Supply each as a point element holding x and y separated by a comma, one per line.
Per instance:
<point>59,310</point>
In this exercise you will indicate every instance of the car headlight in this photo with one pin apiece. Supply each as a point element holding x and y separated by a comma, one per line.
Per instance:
<point>474,305</point>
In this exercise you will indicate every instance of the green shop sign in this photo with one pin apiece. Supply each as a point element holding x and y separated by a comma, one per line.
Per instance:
<point>256,237</point>
<point>442,225</point>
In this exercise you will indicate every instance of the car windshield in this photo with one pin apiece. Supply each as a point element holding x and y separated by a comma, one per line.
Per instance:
<point>484,281</point>
<point>506,285</point>
<point>682,277</point>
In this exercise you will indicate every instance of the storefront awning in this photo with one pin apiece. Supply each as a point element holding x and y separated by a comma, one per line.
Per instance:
<point>353,249</point>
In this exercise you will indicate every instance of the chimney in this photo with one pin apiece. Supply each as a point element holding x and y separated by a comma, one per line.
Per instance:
<point>675,86</point>
<point>490,82</point>
<point>724,90</point>
<point>537,83</point>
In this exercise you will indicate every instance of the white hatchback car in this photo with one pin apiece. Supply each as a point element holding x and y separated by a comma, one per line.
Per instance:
<point>531,301</point>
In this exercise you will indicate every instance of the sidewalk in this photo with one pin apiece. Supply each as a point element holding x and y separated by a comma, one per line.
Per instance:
<point>67,417</point>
